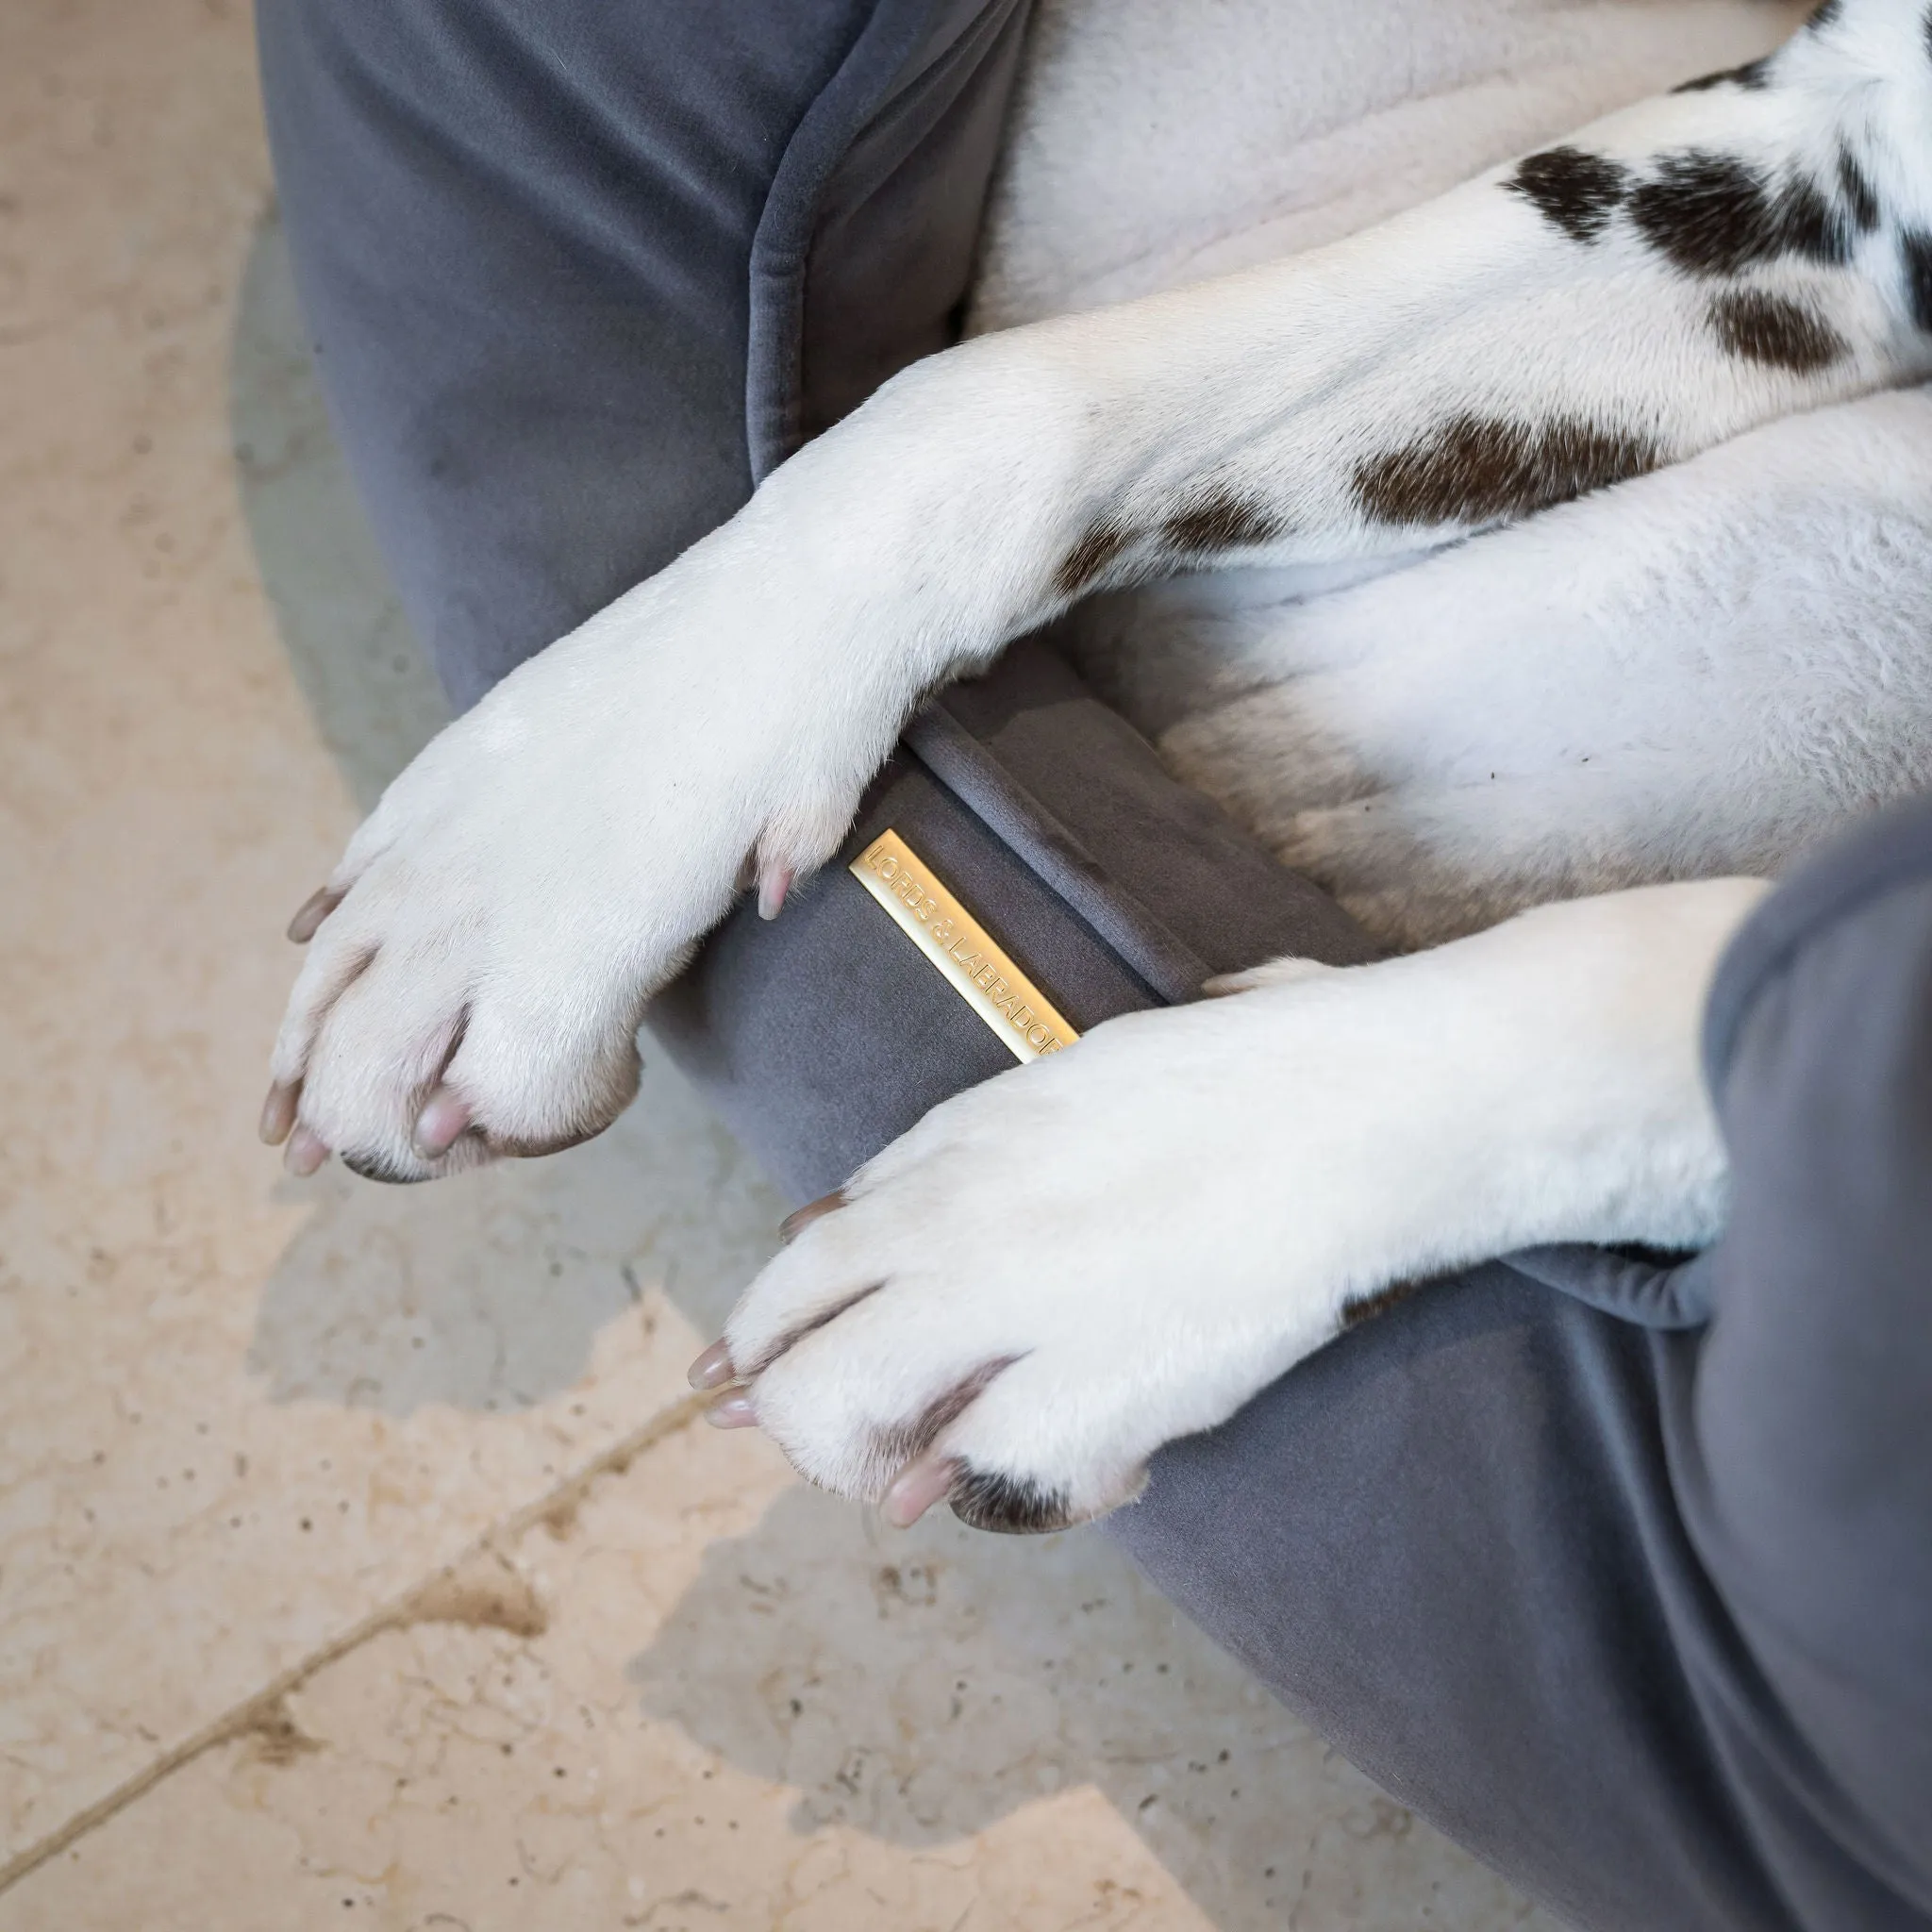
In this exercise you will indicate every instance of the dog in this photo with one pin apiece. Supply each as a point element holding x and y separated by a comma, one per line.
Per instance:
<point>1541,564</point>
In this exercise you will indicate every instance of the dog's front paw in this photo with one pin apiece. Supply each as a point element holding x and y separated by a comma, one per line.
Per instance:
<point>479,960</point>
<point>1052,1275</point>
<point>1057,1271</point>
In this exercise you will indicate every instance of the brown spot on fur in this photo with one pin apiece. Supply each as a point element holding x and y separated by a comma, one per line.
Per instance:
<point>1573,189</point>
<point>1220,519</point>
<point>1773,330</point>
<point>1712,215</point>
<point>1854,188</point>
<point>378,1166</point>
<point>1089,559</point>
<point>1479,469</point>
<point>1915,257</point>
<point>1754,76</point>
<point>1365,1308</point>
<point>1010,1505</point>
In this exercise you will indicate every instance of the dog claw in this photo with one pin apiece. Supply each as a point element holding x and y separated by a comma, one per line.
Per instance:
<point>915,1490</point>
<point>800,1219</point>
<point>314,910</point>
<point>444,1120</point>
<point>712,1369</point>
<point>735,1412</point>
<point>304,1154</point>
<point>279,1111</point>
<point>772,886</point>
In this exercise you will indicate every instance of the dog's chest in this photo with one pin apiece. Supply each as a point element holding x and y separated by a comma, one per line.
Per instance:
<point>1153,144</point>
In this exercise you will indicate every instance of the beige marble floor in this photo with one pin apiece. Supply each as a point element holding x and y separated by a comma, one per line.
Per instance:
<point>357,1554</point>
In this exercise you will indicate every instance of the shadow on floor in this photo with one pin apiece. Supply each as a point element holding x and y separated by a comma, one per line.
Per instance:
<point>373,699</point>
<point>488,1292</point>
<point>921,1686</point>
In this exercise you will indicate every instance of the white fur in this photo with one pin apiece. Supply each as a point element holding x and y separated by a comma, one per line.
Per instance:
<point>1702,670</point>
<point>1697,671</point>
<point>1155,1224</point>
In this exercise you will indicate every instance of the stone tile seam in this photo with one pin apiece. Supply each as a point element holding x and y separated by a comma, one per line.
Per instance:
<point>416,1604</point>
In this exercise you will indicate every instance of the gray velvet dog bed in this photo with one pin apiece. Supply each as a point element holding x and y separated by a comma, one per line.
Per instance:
<point>827,1033</point>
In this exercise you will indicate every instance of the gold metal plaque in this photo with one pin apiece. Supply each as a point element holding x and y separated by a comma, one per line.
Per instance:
<point>962,948</point>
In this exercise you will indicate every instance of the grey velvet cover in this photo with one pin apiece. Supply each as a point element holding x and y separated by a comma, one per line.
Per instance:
<point>827,1033</point>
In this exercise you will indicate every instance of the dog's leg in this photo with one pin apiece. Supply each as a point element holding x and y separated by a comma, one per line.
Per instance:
<point>1685,271</point>
<point>1757,243</point>
<point>1697,672</point>
<point>1060,1270</point>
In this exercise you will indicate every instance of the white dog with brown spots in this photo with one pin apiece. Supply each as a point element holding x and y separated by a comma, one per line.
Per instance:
<point>1632,412</point>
